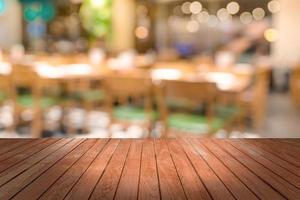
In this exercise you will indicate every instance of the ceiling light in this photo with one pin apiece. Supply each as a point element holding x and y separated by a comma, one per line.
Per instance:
<point>258,14</point>
<point>185,8</point>
<point>274,6</point>
<point>233,8</point>
<point>195,7</point>
<point>246,18</point>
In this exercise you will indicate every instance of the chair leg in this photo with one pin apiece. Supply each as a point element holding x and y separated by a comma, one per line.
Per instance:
<point>15,122</point>
<point>88,107</point>
<point>37,124</point>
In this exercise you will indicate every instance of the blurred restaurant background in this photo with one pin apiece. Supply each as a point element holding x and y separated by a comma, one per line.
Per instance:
<point>150,68</point>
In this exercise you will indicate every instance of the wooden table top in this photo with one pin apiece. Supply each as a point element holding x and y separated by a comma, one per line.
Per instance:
<point>149,169</point>
<point>228,80</point>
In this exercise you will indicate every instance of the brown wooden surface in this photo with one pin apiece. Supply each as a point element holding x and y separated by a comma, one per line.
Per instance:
<point>149,169</point>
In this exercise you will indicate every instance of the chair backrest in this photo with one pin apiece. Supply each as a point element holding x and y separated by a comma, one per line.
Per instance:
<point>23,76</point>
<point>122,87</point>
<point>128,89</point>
<point>195,92</point>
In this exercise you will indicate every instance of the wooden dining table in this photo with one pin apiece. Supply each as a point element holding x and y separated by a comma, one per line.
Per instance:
<point>185,168</point>
<point>231,80</point>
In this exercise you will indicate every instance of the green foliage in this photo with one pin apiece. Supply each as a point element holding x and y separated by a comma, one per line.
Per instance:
<point>96,17</point>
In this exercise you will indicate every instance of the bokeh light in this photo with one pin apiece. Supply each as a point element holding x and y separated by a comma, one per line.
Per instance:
<point>258,14</point>
<point>141,32</point>
<point>271,35</point>
<point>274,6</point>
<point>195,7</point>
<point>2,6</point>
<point>185,8</point>
<point>246,18</point>
<point>203,17</point>
<point>96,17</point>
<point>233,7</point>
<point>42,10</point>
<point>223,14</point>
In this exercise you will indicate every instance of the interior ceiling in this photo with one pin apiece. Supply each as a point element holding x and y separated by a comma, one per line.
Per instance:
<point>245,5</point>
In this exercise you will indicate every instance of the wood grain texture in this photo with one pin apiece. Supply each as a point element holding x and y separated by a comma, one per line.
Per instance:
<point>237,188</point>
<point>128,185</point>
<point>148,185</point>
<point>189,168</point>
<point>191,183</point>
<point>107,185</point>
<point>212,182</point>
<point>283,187</point>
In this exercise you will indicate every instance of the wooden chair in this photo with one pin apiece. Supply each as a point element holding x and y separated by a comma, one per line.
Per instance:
<point>254,100</point>
<point>29,92</point>
<point>295,85</point>
<point>133,96</point>
<point>192,96</point>
<point>86,93</point>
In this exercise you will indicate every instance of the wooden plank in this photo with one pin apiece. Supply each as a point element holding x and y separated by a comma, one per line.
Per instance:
<point>280,152</point>
<point>149,169</point>
<point>148,186</point>
<point>255,184</point>
<point>214,185</point>
<point>288,149</point>
<point>288,176</point>
<point>12,144</point>
<point>17,169</point>
<point>292,145</point>
<point>294,141</point>
<point>191,183</point>
<point>288,166</point>
<point>87,182</point>
<point>51,176</point>
<point>65,183</point>
<point>237,188</point>
<point>9,141</point>
<point>107,185</point>
<point>282,186</point>
<point>129,182</point>
<point>18,183</point>
<point>21,149</point>
<point>170,185</point>
<point>21,156</point>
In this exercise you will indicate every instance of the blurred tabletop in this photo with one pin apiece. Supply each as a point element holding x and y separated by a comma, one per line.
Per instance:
<point>232,79</point>
<point>187,168</point>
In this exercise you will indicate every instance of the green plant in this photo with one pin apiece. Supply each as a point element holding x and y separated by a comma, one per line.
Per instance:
<point>96,17</point>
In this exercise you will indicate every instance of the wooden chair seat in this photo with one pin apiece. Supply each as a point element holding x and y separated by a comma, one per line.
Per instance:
<point>133,113</point>
<point>227,112</point>
<point>201,111</point>
<point>27,101</point>
<point>85,96</point>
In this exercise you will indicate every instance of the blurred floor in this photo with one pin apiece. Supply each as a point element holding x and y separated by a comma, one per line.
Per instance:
<point>282,121</point>
<point>283,118</point>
